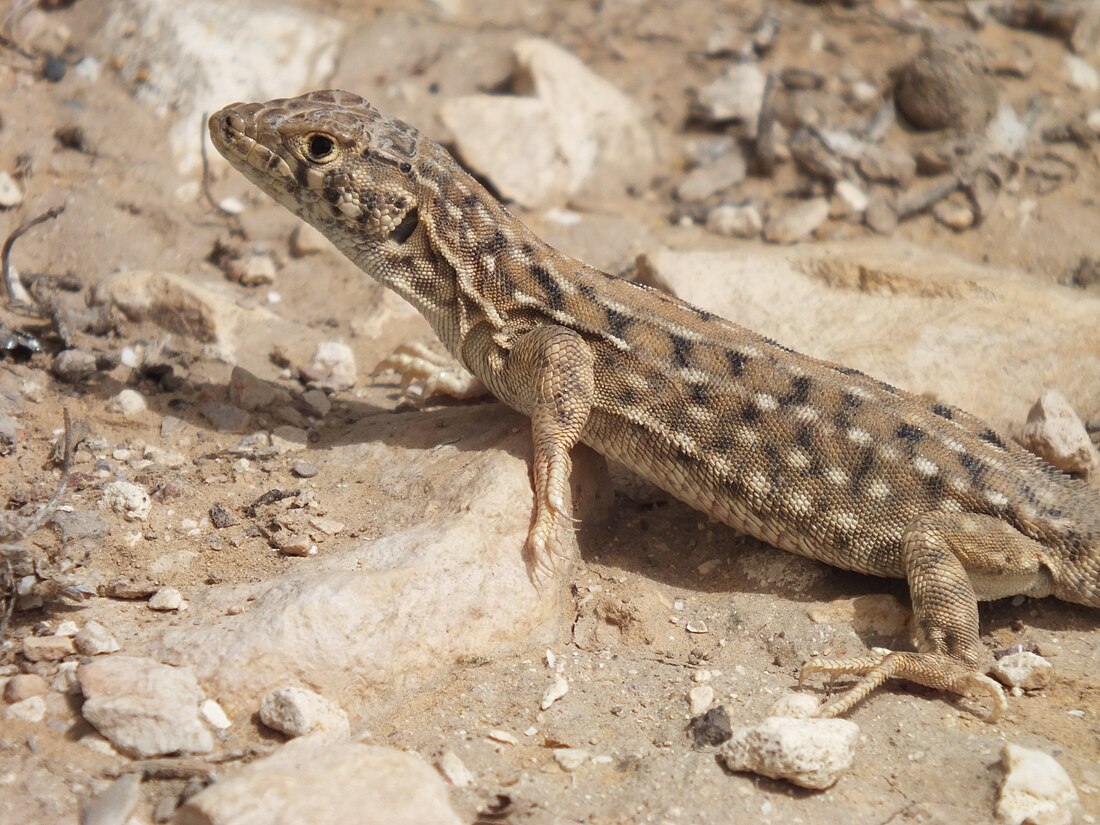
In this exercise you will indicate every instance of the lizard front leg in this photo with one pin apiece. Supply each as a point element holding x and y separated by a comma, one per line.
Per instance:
<point>951,561</point>
<point>549,373</point>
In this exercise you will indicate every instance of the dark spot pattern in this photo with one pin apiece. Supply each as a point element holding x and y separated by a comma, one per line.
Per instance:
<point>618,322</point>
<point>799,393</point>
<point>943,412</point>
<point>973,466</point>
<point>554,298</point>
<point>681,350</point>
<point>737,361</point>
<point>851,400</point>
<point>990,437</point>
<point>700,394</point>
<point>862,470</point>
<point>909,433</point>
<point>750,413</point>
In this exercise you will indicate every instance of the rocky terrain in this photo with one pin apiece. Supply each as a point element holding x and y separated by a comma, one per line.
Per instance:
<point>245,577</point>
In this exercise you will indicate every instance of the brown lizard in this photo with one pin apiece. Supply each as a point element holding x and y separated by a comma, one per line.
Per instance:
<point>806,455</point>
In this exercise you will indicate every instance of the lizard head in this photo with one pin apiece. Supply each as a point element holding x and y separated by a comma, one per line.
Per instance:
<point>332,159</point>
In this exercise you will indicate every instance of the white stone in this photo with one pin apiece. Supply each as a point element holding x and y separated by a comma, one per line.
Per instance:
<point>795,706</point>
<point>1055,433</point>
<point>325,782</point>
<point>67,628</point>
<point>231,206</point>
<point>335,361</point>
<point>571,759</point>
<point>166,598</point>
<point>711,178</point>
<point>1093,120</point>
<point>455,770</point>
<point>735,221</point>
<point>297,711</point>
<point>558,688</point>
<point>1080,74</point>
<point>10,193</point>
<point>854,199</point>
<point>199,54</point>
<point>1024,670</point>
<point>813,753</point>
<point>31,709</point>
<point>130,500</point>
<point>144,707</point>
<point>700,699</point>
<point>214,715</point>
<point>797,223</point>
<point>736,95</point>
<point>1036,789</point>
<point>127,402</point>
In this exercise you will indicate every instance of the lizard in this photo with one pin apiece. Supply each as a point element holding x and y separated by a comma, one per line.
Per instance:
<point>806,455</point>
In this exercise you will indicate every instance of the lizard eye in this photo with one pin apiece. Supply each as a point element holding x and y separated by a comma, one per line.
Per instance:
<point>320,147</point>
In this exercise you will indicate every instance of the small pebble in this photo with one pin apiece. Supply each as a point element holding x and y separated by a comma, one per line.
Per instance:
<point>455,770</point>
<point>32,709</point>
<point>1024,670</point>
<point>1056,434</point>
<point>48,648</point>
<point>700,699</point>
<point>812,753</point>
<point>296,545</point>
<point>1036,789</point>
<point>571,759</point>
<point>127,402</point>
<point>166,598</point>
<point>735,221</point>
<point>696,626</point>
<point>231,205</point>
<point>24,686</point>
<point>10,193</point>
<point>213,713</point>
<point>954,214</point>
<point>854,199</point>
<point>297,711</point>
<point>305,469</point>
<point>798,222</point>
<point>502,736</point>
<point>558,688</point>
<point>1080,74</point>
<point>95,639</point>
<point>317,403</point>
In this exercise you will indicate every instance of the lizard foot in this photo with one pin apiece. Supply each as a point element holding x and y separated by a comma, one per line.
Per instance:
<point>425,373</point>
<point>934,670</point>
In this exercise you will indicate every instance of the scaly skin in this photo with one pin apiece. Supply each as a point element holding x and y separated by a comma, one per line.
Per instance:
<point>801,453</point>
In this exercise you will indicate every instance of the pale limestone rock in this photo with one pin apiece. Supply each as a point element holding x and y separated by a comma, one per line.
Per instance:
<point>201,53</point>
<point>334,362</point>
<point>166,598</point>
<point>576,134</point>
<point>813,753</point>
<point>333,619</point>
<point>699,700</point>
<point>1036,789</point>
<point>735,221</point>
<point>144,707</point>
<point>206,312</point>
<point>115,803</point>
<point>1055,433</point>
<point>558,688</point>
<point>795,706</point>
<point>297,711</point>
<point>571,759</point>
<point>455,770</point>
<point>31,709</point>
<point>505,139</point>
<point>95,639</point>
<point>48,648</point>
<point>887,164</point>
<point>1080,74</point>
<point>797,223</point>
<point>883,309</point>
<point>10,193</point>
<point>23,686</point>
<point>311,780</point>
<point>602,134</point>
<point>736,95</point>
<point>712,178</point>
<point>214,715</point>
<point>1024,670</point>
<point>127,402</point>
<point>853,199</point>
<point>880,614</point>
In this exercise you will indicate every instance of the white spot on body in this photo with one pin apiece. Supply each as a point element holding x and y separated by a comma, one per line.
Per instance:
<point>800,504</point>
<point>745,436</point>
<point>950,505</point>
<point>859,436</point>
<point>350,209</point>
<point>958,484</point>
<point>925,467</point>
<point>765,402</point>
<point>806,415</point>
<point>758,483</point>
<point>878,490</point>
<point>844,521</point>
<point>798,459</point>
<point>837,476</point>
<point>996,498</point>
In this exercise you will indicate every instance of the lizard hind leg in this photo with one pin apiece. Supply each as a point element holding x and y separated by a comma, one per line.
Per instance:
<point>951,561</point>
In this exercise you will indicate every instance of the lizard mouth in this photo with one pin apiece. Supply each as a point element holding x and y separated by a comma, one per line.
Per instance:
<point>232,133</point>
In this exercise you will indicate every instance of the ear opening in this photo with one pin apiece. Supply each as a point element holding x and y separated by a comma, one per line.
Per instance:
<point>404,230</point>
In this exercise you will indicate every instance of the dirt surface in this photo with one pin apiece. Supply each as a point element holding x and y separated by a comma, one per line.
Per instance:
<point>646,571</point>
